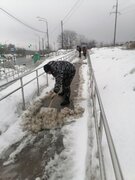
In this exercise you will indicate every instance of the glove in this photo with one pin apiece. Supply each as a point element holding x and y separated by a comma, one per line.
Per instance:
<point>53,95</point>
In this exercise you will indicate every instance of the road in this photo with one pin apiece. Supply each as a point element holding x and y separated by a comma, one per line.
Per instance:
<point>27,61</point>
<point>23,60</point>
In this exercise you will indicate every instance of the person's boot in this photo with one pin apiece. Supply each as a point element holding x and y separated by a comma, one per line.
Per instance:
<point>65,102</point>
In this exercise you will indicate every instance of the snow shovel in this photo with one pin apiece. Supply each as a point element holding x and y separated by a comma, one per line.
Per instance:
<point>49,108</point>
<point>49,115</point>
<point>52,99</point>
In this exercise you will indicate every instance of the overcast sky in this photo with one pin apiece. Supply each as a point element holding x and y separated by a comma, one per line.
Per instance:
<point>90,18</point>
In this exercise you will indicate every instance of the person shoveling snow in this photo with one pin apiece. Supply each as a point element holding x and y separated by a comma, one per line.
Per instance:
<point>63,72</point>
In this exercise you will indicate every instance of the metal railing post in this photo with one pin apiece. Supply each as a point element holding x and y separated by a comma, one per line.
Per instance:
<point>99,149</point>
<point>23,84</point>
<point>46,79</point>
<point>23,99</point>
<point>100,128</point>
<point>38,91</point>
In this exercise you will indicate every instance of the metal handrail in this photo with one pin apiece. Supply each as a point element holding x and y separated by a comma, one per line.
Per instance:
<point>15,72</point>
<point>69,56</point>
<point>101,124</point>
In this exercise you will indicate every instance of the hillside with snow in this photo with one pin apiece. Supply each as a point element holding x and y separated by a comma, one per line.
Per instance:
<point>114,70</point>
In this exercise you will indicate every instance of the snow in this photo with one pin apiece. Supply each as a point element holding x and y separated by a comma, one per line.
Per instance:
<point>114,72</point>
<point>80,132</point>
<point>71,163</point>
<point>10,108</point>
<point>75,135</point>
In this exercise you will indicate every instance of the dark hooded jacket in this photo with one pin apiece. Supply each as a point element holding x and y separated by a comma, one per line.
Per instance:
<point>62,71</point>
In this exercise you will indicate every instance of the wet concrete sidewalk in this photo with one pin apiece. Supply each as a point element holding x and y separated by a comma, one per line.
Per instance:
<point>31,161</point>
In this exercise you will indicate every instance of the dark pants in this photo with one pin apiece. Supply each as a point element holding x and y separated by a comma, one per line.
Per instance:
<point>84,53</point>
<point>79,53</point>
<point>66,85</point>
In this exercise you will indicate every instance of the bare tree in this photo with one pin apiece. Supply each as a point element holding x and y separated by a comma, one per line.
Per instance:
<point>69,39</point>
<point>81,39</point>
<point>91,44</point>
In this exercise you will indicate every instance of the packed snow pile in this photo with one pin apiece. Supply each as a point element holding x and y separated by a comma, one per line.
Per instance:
<point>37,117</point>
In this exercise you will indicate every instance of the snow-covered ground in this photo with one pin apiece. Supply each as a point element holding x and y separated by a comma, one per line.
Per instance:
<point>8,74</point>
<point>11,107</point>
<point>75,135</point>
<point>114,70</point>
<point>71,164</point>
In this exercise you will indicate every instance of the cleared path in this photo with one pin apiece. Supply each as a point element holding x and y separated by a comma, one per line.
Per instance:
<point>32,159</point>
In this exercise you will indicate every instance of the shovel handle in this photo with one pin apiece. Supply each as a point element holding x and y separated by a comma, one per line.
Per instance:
<point>52,100</point>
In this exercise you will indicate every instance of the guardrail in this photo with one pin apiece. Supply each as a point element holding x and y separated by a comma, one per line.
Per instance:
<point>9,70</point>
<point>7,74</point>
<point>101,125</point>
<point>37,72</point>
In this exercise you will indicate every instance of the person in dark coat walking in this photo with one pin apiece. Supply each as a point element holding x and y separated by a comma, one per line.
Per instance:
<point>79,50</point>
<point>63,72</point>
<point>84,49</point>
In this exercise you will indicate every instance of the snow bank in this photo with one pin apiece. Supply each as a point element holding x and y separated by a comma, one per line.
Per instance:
<point>115,75</point>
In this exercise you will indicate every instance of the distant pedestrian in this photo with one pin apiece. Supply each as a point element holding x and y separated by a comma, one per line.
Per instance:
<point>36,57</point>
<point>84,49</point>
<point>79,50</point>
<point>63,72</point>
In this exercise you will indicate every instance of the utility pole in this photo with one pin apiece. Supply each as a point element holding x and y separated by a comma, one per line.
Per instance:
<point>62,34</point>
<point>47,36</point>
<point>115,24</point>
<point>47,32</point>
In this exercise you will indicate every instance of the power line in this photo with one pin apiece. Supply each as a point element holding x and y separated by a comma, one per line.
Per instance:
<point>72,13</point>
<point>68,15</point>
<point>66,18</point>
<point>28,26</point>
<point>129,11</point>
<point>56,27</point>
<point>71,10</point>
<point>127,7</point>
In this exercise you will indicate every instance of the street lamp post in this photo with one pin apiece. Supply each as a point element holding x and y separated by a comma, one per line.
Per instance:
<point>38,42</point>
<point>47,33</point>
